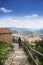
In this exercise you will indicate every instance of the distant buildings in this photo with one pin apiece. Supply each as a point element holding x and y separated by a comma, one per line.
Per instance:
<point>33,38</point>
<point>5,35</point>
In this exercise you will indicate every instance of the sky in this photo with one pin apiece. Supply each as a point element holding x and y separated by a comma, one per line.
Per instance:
<point>21,13</point>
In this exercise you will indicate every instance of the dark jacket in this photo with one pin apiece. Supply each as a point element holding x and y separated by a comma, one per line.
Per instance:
<point>19,40</point>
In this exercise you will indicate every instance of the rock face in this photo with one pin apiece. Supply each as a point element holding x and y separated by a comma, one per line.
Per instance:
<point>5,35</point>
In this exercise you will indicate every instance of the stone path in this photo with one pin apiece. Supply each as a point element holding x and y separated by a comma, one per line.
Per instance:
<point>17,57</point>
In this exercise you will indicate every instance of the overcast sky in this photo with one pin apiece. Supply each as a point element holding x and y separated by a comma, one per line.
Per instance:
<point>21,13</point>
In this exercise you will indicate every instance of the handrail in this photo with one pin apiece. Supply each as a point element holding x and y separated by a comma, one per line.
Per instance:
<point>30,54</point>
<point>30,48</point>
<point>36,51</point>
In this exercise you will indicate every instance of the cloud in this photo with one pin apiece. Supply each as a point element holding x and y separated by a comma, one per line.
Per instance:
<point>10,22</point>
<point>22,23</point>
<point>5,10</point>
<point>32,16</point>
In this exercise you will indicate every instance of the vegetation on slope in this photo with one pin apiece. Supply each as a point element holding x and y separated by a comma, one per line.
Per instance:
<point>14,39</point>
<point>39,48</point>
<point>4,49</point>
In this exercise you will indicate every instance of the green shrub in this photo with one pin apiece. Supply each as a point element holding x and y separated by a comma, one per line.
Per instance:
<point>3,50</point>
<point>14,40</point>
<point>25,42</point>
<point>39,48</point>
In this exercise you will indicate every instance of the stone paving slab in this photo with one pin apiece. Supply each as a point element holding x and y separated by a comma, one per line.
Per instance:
<point>17,57</point>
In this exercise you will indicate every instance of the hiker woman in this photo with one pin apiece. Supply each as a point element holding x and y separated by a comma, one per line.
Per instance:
<point>19,41</point>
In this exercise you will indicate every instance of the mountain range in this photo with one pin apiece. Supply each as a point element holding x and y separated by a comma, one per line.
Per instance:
<point>26,31</point>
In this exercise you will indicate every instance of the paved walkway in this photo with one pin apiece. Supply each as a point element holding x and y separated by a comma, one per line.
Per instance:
<point>17,57</point>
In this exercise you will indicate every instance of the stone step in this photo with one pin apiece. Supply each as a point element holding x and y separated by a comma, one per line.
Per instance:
<point>17,57</point>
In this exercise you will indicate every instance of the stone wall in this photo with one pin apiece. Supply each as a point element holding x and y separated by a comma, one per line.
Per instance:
<point>6,37</point>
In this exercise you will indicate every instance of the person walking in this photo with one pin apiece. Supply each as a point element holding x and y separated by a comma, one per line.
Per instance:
<point>19,41</point>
